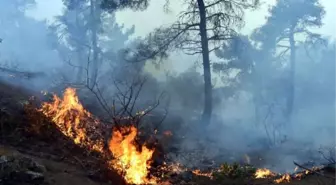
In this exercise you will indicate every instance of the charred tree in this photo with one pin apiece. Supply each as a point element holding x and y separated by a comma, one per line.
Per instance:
<point>206,63</point>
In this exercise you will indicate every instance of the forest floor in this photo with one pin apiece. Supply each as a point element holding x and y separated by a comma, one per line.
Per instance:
<point>58,171</point>
<point>31,159</point>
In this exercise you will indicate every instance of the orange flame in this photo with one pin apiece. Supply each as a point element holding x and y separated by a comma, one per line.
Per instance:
<point>78,124</point>
<point>263,173</point>
<point>72,120</point>
<point>284,178</point>
<point>200,173</point>
<point>132,162</point>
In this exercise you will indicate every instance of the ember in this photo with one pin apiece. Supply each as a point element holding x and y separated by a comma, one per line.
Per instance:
<point>200,173</point>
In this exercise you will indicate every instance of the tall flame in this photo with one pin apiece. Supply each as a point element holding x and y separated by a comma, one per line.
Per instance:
<point>73,120</point>
<point>79,125</point>
<point>132,162</point>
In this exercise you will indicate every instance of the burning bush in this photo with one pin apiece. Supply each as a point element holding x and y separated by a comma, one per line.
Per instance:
<point>70,117</point>
<point>74,121</point>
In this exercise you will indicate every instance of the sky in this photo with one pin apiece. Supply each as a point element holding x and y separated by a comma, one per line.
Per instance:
<point>155,16</point>
<point>164,18</point>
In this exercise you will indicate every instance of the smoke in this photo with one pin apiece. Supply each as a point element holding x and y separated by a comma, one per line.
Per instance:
<point>28,45</point>
<point>25,46</point>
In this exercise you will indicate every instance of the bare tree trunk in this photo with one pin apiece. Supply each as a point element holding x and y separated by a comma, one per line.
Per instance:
<point>206,117</point>
<point>94,70</point>
<point>80,52</point>
<point>291,85</point>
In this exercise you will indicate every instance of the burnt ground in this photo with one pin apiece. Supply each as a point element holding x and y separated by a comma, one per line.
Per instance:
<point>26,136</point>
<point>61,172</point>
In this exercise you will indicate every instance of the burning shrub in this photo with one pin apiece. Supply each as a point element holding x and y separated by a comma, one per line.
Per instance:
<point>76,123</point>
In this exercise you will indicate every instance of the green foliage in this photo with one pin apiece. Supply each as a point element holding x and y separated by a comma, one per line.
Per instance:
<point>84,25</point>
<point>234,171</point>
<point>112,5</point>
<point>238,54</point>
<point>288,14</point>
<point>224,19</point>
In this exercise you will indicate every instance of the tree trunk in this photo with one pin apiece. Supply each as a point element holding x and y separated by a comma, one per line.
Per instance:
<point>80,52</point>
<point>206,117</point>
<point>291,85</point>
<point>94,70</point>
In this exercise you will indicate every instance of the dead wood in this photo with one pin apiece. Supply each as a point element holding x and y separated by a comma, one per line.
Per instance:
<point>313,171</point>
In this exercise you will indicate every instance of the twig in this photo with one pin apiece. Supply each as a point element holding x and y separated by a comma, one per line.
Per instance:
<point>313,171</point>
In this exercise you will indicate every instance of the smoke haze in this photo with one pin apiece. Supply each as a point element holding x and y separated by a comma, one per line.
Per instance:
<point>32,44</point>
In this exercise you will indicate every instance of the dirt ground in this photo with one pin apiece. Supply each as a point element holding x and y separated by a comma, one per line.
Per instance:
<point>57,173</point>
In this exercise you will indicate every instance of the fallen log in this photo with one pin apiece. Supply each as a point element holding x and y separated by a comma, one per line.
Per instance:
<point>313,171</point>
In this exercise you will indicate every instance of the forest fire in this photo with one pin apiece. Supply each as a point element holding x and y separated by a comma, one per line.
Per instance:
<point>79,125</point>
<point>129,160</point>
<point>73,120</point>
<point>266,173</point>
<point>284,178</point>
<point>263,173</point>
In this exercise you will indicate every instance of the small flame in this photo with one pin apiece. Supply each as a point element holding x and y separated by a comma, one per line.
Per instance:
<point>284,178</point>
<point>175,167</point>
<point>263,173</point>
<point>301,174</point>
<point>200,173</point>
